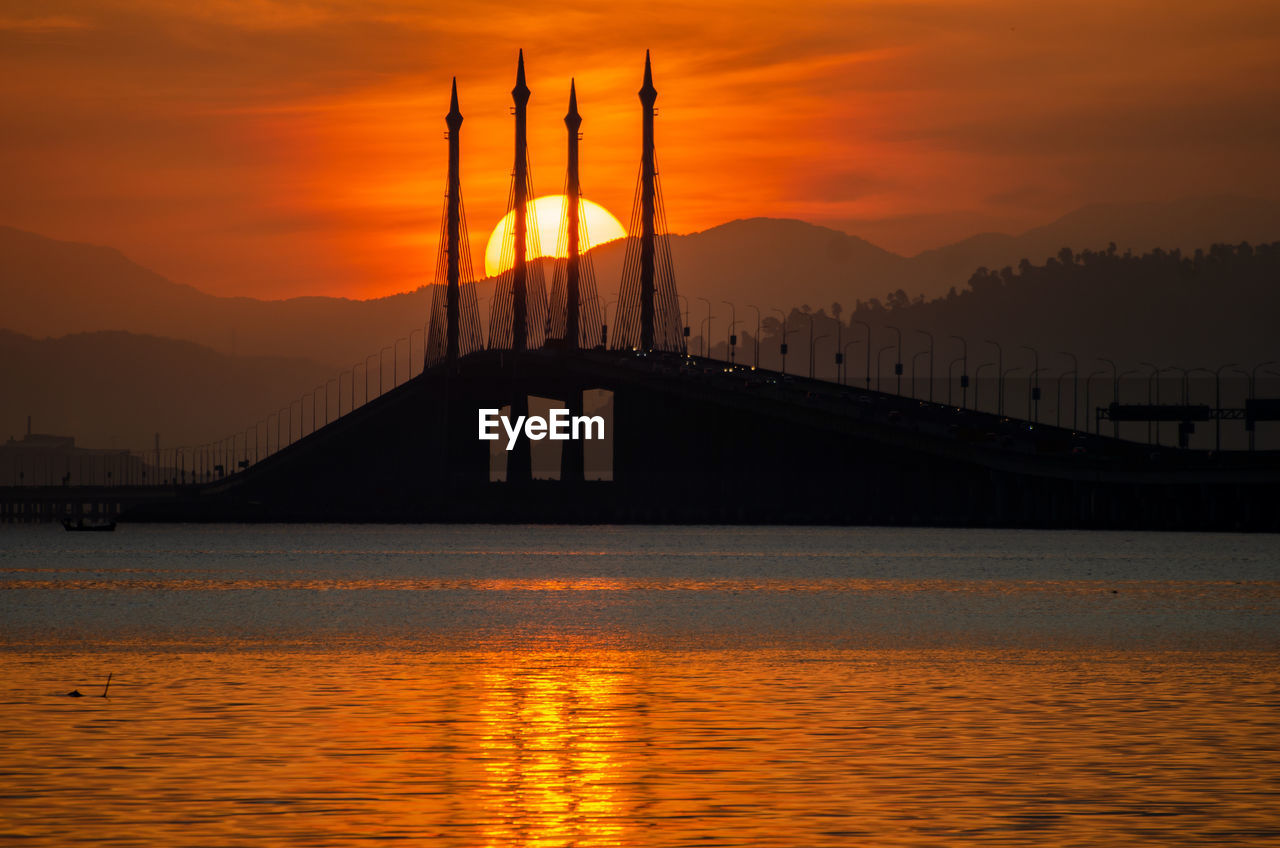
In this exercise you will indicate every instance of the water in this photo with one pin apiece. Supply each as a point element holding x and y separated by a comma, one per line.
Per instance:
<point>328,685</point>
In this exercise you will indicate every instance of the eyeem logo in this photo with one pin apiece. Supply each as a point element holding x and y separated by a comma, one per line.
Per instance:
<point>560,427</point>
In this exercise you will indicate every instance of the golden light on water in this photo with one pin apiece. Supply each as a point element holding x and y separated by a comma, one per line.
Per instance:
<point>544,216</point>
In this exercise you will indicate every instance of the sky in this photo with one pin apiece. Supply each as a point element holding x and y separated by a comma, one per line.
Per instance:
<point>277,149</point>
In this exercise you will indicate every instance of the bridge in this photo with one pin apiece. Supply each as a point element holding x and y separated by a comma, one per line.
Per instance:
<point>692,439</point>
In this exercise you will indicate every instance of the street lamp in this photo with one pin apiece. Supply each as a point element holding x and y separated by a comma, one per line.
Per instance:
<point>964,372</point>
<point>913,366</point>
<point>1088,408</point>
<point>1075,386</point>
<point>382,365</point>
<point>422,330</point>
<point>879,376</point>
<point>951,370</point>
<point>706,346</point>
<point>1152,380</point>
<point>812,347</point>
<point>1115,393</point>
<point>999,377</point>
<point>1252,377</point>
<point>757,343</point>
<point>1057,403</point>
<point>1217,402</point>
<point>866,327</point>
<point>733,337</point>
<point>914,357</point>
<point>783,348</point>
<point>1005,376</point>
<point>1033,387</point>
<point>845,356</point>
<point>395,362</point>
<point>977,377</point>
<point>897,366</point>
<point>352,373</point>
<point>704,329</point>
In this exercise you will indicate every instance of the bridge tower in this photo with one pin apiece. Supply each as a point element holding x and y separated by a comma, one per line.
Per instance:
<point>454,320</point>
<point>575,307</point>
<point>573,195</point>
<point>518,315</point>
<point>648,315</point>
<point>574,319</point>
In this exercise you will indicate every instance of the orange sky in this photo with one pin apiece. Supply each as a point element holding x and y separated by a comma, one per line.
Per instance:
<point>273,149</point>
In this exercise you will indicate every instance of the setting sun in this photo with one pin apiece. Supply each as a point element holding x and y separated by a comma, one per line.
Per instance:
<point>546,213</point>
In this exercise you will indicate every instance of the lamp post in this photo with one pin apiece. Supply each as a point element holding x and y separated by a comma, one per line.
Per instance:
<point>845,351</point>
<point>756,357</point>
<point>733,337</point>
<point>1217,402</point>
<point>706,346</point>
<point>1088,384</point>
<point>1115,392</point>
<point>1058,401</point>
<point>951,370</point>
<point>1033,386</point>
<point>977,376</point>
<point>913,366</point>
<point>999,377</point>
<point>964,373</point>
<point>879,376</point>
<point>1075,386</point>
<point>1151,381</point>
<point>395,361</point>
<point>812,347</point>
<point>1005,376</point>
<point>422,330</point>
<point>897,366</point>
<point>914,357</point>
<point>382,366</point>
<point>351,372</point>
<point>783,348</point>
<point>705,330</point>
<point>866,327</point>
<point>1252,377</point>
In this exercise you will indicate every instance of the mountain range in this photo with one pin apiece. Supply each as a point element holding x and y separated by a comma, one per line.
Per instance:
<point>52,288</point>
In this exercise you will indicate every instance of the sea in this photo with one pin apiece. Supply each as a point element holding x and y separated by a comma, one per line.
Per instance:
<point>473,685</point>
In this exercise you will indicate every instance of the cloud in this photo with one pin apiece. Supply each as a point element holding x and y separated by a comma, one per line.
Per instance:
<point>51,23</point>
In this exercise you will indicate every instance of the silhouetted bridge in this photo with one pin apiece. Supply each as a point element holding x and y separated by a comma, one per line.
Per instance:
<point>697,440</point>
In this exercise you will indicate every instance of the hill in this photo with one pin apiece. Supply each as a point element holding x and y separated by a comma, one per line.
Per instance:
<point>54,288</point>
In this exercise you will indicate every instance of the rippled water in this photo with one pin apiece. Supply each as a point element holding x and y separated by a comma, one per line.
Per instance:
<point>638,686</point>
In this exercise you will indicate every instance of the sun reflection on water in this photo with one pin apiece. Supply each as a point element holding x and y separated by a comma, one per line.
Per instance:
<point>550,747</point>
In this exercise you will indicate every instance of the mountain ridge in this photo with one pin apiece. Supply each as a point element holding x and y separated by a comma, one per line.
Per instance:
<point>53,288</point>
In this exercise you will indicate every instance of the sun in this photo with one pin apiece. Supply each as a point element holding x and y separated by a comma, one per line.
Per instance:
<point>546,212</point>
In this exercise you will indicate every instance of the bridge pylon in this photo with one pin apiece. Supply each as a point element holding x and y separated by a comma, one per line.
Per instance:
<point>648,313</point>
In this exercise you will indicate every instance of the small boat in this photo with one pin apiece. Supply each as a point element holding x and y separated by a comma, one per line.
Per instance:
<point>99,526</point>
